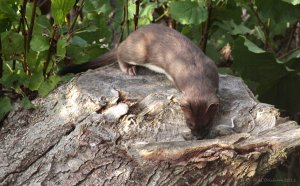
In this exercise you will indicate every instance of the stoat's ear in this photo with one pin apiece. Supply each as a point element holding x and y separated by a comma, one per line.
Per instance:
<point>212,108</point>
<point>213,103</point>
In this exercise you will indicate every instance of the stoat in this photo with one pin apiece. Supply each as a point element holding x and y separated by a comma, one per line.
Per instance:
<point>166,51</point>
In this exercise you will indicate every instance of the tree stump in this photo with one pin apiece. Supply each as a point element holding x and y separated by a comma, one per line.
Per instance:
<point>108,128</point>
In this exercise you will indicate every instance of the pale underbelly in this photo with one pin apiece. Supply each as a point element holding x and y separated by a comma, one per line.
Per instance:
<point>154,68</point>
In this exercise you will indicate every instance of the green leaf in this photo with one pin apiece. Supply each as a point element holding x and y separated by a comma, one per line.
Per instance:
<point>91,28</point>
<point>13,43</point>
<point>99,30</point>
<point>259,33</point>
<point>279,12</point>
<point>284,93</point>
<point>188,12</point>
<point>294,2</point>
<point>39,43</point>
<point>5,106</point>
<point>7,10</point>
<point>78,54</point>
<point>295,54</point>
<point>292,61</point>
<point>44,89</point>
<point>146,14</point>
<point>99,6</point>
<point>240,29</point>
<point>26,103</point>
<point>272,78</point>
<point>59,17</point>
<point>48,86</point>
<point>36,80</point>
<point>82,55</point>
<point>220,38</point>
<point>131,10</point>
<point>229,10</point>
<point>76,40</point>
<point>36,60</point>
<point>43,22</point>
<point>118,16</point>
<point>252,47</point>
<point>13,79</point>
<point>233,28</point>
<point>254,64</point>
<point>212,52</point>
<point>60,8</point>
<point>4,24</point>
<point>61,47</point>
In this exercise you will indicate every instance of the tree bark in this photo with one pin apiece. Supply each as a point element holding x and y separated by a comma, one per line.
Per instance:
<point>107,128</point>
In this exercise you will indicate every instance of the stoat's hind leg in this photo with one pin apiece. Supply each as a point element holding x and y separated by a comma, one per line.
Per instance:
<point>127,68</point>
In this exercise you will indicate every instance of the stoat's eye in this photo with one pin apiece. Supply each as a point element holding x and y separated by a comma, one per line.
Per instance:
<point>185,106</point>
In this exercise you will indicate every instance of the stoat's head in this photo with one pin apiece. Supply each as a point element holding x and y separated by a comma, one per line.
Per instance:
<point>199,113</point>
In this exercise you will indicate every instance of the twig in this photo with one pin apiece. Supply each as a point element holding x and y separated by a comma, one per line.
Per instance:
<point>204,38</point>
<point>125,21</point>
<point>288,45</point>
<point>161,16</point>
<point>288,53</point>
<point>78,10</point>
<point>1,68</point>
<point>137,14</point>
<point>264,26</point>
<point>22,27</point>
<point>30,30</point>
<point>52,43</point>
<point>297,37</point>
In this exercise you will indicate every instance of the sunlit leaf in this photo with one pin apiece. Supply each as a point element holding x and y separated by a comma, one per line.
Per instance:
<point>26,103</point>
<point>294,2</point>
<point>60,8</point>
<point>188,12</point>
<point>36,80</point>
<point>233,28</point>
<point>252,47</point>
<point>61,47</point>
<point>48,85</point>
<point>39,43</point>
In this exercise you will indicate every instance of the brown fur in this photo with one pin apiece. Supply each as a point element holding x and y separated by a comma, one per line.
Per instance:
<point>167,51</point>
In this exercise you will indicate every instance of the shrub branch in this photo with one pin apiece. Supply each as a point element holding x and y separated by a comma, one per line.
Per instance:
<point>206,26</point>
<point>78,10</point>
<point>22,27</point>
<point>1,68</point>
<point>137,14</point>
<point>30,30</point>
<point>264,26</point>
<point>50,51</point>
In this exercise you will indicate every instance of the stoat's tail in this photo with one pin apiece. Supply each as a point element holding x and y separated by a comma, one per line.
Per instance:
<point>105,59</point>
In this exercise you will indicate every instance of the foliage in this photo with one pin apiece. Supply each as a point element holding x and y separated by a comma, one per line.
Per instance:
<point>261,35</point>
<point>188,12</point>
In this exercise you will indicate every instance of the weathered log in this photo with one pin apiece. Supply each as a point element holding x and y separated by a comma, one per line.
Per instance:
<point>107,128</point>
